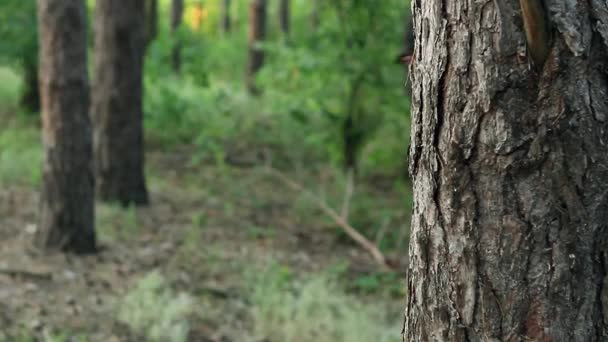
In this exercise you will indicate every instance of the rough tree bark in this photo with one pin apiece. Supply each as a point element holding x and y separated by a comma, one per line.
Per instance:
<point>67,197</point>
<point>510,171</point>
<point>257,34</point>
<point>226,18</point>
<point>284,17</point>
<point>177,12</point>
<point>117,101</point>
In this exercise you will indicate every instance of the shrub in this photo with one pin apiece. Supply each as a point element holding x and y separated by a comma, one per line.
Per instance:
<point>152,309</point>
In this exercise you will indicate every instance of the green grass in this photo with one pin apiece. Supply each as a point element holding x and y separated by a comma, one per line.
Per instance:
<point>10,86</point>
<point>315,309</point>
<point>20,147</point>
<point>20,155</point>
<point>152,309</point>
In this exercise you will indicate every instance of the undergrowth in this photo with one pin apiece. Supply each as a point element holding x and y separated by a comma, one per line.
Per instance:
<point>314,308</point>
<point>155,311</point>
<point>20,156</point>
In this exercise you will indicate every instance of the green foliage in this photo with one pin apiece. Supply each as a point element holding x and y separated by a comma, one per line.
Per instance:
<point>18,32</point>
<point>312,86</point>
<point>345,75</point>
<point>256,232</point>
<point>314,309</point>
<point>20,155</point>
<point>19,45</point>
<point>390,283</point>
<point>152,309</point>
<point>10,83</point>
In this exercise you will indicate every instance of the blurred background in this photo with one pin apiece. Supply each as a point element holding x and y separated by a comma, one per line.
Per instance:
<point>273,130</point>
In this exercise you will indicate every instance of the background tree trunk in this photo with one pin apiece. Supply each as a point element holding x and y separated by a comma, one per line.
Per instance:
<point>315,15</point>
<point>30,97</point>
<point>257,34</point>
<point>177,12</point>
<point>151,20</point>
<point>510,171</point>
<point>117,101</point>
<point>67,197</point>
<point>226,18</point>
<point>284,17</point>
<point>407,51</point>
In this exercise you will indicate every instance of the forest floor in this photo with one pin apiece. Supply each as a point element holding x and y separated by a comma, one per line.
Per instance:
<point>223,253</point>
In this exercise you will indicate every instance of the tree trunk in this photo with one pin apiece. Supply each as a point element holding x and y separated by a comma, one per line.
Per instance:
<point>509,163</point>
<point>117,101</point>
<point>226,19</point>
<point>67,197</point>
<point>177,12</point>
<point>284,17</point>
<point>30,97</point>
<point>151,20</point>
<point>257,34</point>
<point>315,15</point>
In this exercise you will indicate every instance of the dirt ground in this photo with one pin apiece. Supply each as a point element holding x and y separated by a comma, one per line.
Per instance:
<point>206,226</point>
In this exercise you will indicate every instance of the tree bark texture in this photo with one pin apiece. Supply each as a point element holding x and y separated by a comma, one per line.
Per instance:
<point>177,12</point>
<point>257,34</point>
<point>67,197</point>
<point>284,17</point>
<point>117,101</point>
<point>510,169</point>
<point>226,17</point>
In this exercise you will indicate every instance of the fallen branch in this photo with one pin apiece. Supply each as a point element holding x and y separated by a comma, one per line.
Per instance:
<point>341,222</point>
<point>18,273</point>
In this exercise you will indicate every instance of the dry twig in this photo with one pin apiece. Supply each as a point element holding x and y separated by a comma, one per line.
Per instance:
<point>340,221</point>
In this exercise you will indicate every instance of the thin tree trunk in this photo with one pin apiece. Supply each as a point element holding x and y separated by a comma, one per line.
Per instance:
<point>284,17</point>
<point>67,197</point>
<point>151,20</point>
<point>257,34</point>
<point>226,18</point>
<point>177,12</point>
<point>510,169</point>
<point>117,101</point>
<point>30,97</point>
<point>315,15</point>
